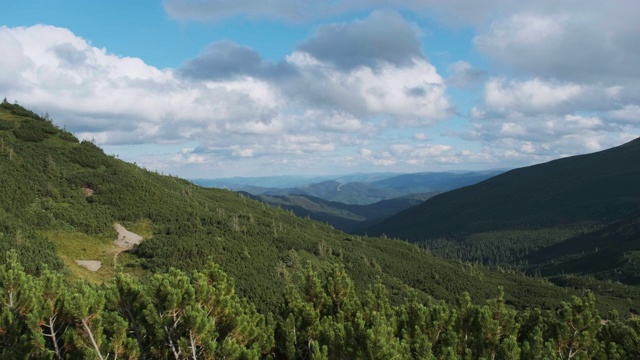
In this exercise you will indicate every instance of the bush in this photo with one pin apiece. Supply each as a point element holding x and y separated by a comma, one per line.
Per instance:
<point>31,130</point>
<point>88,155</point>
<point>6,125</point>
<point>68,137</point>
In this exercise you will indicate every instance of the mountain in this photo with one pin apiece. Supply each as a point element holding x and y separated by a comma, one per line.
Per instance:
<point>64,203</point>
<point>341,216</point>
<point>587,189</point>
<point>357,189</point>
<point>574,220</point>
<point>239,183</point>
<point>434,181</point>
<point>355,193</point>
<point>254,184</point>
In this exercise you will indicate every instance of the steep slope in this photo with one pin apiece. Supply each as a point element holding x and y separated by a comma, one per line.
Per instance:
<point>593,188</point>
<point>61,198</point>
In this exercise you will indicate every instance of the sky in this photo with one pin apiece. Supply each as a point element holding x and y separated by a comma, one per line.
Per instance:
<point>219,88</point>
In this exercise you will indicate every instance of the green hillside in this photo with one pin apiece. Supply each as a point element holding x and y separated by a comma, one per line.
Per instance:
<point>61,199</point>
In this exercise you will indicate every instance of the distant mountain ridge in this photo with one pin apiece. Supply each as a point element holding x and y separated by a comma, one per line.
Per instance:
<point>345,217</point>
<point>355,189</point>
<point>598,187</point>
<point>347,204</point>
<point>240,183</point>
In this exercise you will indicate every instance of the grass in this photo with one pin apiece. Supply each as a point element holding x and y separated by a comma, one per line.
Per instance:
<point>72,246</point>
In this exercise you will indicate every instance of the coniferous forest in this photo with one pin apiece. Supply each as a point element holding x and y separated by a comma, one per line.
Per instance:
<point>221,276</point>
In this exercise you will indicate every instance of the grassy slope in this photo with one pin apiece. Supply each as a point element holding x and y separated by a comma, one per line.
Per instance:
<point>44,170</point>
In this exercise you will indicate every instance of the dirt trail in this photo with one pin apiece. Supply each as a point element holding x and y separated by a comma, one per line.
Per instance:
<point>126,240</point>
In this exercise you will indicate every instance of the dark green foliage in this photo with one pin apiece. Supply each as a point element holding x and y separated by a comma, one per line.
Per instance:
<point>6,125</point>
<point>173,316</point>
<point>88,155</point>
<point>31,130</point>
<point>67,136</point>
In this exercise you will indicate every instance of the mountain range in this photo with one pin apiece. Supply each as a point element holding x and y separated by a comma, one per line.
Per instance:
<point>350,202</point>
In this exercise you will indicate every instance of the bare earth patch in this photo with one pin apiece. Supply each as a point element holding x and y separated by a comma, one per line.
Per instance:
<point>126,239</point>
<point>92,265</point>
<point>87,191</point>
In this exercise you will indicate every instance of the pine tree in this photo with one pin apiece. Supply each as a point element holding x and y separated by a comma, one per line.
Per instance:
<point>576,327</point>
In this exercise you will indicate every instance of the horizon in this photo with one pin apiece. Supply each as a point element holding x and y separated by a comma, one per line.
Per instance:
<point>212,90</point>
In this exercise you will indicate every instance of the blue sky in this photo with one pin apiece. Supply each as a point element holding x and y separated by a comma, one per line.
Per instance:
<point>204,88</point>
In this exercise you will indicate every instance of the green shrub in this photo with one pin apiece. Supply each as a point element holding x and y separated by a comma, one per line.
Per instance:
<point>68,137</point>
<point>88,155</point>
<point>7,125</point>
<point>31,130</point>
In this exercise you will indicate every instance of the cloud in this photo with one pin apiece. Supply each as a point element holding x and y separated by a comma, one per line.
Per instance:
<point>226,60</point>
<point>119,99</point>
<point>12,66</point>
<point>226,103</point>
<point>293,11</point>
<point>537,96</point>
<point>222,61</point>
<point>425,155</point>
<point>382,38</point>
<point>581,44</point>
<point>561,78</point>
<point>410,95</point>
<point>629,114</point>
<point>541,137</point>
<point>531,95</point>
<point>537,120</point>
<point>462,74</point>
<point>350,68</point>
